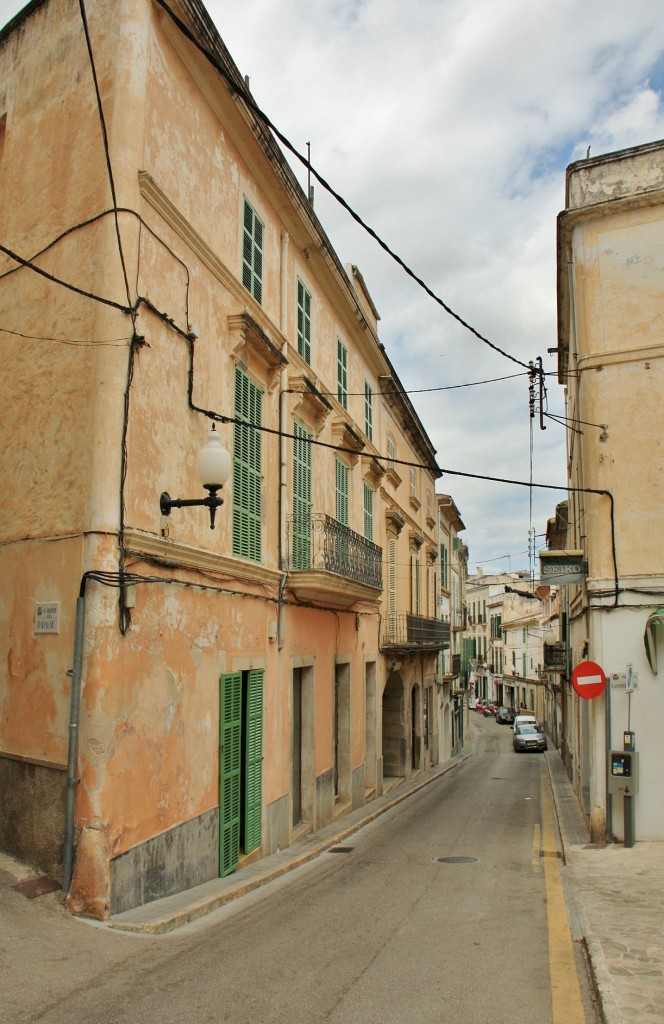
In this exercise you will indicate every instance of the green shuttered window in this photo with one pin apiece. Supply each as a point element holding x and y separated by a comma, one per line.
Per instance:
<point>368,410</point>
<point>247,450</point>
<point>252,252</point>
<point>342,373</point>
<point>368,512</point>
<point>301,497</point>
<point>303,322</point>
<point>341,493</point>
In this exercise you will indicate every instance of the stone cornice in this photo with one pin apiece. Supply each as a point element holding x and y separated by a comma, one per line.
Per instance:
<point>186,556</point>
<point>344,436</point>
<point>247,335</point>
<point>373,471</point>
<point>309,403</point>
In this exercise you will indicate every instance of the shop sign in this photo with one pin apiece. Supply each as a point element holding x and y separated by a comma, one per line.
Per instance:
<point>562,568</point>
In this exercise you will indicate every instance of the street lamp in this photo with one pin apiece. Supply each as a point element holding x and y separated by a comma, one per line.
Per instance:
<point>213,465</point>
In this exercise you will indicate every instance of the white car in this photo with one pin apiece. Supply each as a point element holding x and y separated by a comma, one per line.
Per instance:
<point>523,720</point>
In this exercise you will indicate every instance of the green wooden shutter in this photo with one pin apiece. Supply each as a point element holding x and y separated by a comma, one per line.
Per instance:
<point>247,451</point>
<point>252,252</point>
<point>342,373</point>
<point>392,588</point>
<point>303,322</point>
<point>253,768</point>
<point>368,512</point>
<point>301,497</point>
<point>368,410</point>
<point>230,757</point>
<point>341,494</point>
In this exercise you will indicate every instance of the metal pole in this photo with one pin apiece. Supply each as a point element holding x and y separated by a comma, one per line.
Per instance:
<point>629,825</point>
<point>609,805</point>
<point>72,780</point>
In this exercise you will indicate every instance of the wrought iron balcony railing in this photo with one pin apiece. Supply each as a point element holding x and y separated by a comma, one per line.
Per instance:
<point>319,542</point>
<point>415,631</point>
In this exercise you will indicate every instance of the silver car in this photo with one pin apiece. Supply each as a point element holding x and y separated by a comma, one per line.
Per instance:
<point>529,737</point>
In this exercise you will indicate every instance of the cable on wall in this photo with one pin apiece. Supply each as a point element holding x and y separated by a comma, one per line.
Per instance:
<point>65,284</point>
<point>104,134</point>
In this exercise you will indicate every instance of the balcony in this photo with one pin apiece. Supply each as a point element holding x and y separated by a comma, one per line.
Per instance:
<point>415,632</point>
<point>555,657</point>
<point>329,562</point>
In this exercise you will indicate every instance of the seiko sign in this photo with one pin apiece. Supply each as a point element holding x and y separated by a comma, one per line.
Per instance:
<point>560,568</point>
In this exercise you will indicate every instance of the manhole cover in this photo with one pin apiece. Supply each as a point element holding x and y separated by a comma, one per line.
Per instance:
<point>457,860</point>
<point>340,849</point>
<point>37,887</point>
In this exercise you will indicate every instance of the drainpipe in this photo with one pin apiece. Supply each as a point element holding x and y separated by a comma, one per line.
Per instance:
<point>75,704</point>
<point>283,445</point>
<point>608,818</point>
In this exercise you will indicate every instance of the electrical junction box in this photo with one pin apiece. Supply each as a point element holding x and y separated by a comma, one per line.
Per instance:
<point>623,772</point>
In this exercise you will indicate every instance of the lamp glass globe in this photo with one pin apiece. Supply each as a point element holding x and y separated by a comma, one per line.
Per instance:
<point>213,463</point>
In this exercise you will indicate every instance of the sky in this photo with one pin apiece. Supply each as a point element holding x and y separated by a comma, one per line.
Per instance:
<point>447,126</point>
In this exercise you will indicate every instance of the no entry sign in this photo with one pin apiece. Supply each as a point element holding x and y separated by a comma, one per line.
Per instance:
<point>588,679</point>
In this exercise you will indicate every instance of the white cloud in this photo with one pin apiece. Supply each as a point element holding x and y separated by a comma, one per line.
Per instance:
<point>448,124</point>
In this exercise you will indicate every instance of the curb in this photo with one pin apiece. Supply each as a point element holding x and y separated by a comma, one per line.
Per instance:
<point>601,974</point>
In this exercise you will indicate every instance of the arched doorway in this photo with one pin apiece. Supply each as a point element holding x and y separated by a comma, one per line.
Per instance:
<point>394,728</point>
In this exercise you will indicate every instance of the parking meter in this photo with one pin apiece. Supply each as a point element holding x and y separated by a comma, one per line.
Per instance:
<point>623,772</point>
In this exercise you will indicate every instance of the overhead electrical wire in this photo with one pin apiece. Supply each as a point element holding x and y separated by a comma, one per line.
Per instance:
<point>565,420</point>
<point>65,284</point>
<point>410,391</point>
<point>242,91</point>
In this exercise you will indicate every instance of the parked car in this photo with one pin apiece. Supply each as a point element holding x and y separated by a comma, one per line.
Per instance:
<point>505,716</point>
<point>523,720</point>
<point>529,737</point>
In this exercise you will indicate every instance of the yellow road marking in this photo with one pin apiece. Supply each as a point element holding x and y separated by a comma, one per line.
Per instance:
<point>536,860</point>
<point>566,999</point>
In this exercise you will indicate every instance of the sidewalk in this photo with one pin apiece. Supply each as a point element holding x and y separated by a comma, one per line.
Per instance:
<point>618,897</point>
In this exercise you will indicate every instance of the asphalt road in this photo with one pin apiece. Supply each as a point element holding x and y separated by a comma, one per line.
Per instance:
<point>436,912</point>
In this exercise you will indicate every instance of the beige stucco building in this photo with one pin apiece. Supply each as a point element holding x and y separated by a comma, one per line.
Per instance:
<point>176,700</point>
<point>453,689</point>
<point>610,354</point>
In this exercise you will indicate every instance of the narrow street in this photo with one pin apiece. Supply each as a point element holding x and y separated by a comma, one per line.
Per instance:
<point>435,912</point>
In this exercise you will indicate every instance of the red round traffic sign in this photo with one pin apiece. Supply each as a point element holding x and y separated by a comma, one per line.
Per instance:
<point>588,679</point>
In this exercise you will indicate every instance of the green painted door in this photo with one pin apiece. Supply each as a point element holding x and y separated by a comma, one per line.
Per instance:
<point>253,761</point>
<point>241,767</point>
<point>230,761</point>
